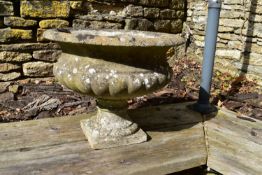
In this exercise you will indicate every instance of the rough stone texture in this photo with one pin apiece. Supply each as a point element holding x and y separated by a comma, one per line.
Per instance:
<point>113,18</point>
<point>239,40</point>
<point>178,4</point>
<point>82,24</point>
<point>180,14</point>
<point>47,55</point>
<point>139,24</point>
<point>12,21</point>
<point>236,54</point>
<point>76,4</point>
<point>53,23</point>
<point>4,86</point>
<point>6,56</point>
<point>162,25</point>
<point>92,17</point>
<point>28,47</point>
<point>131,24</point>
<point>44,9</point>
<point>8,35</point>
<point>7,67</point>
<point>117,38</point>
<point>9,76</point>
<point>6,8</point>
<point>176,26</point>
<point>235,23</point>
<point>151,12</point>
<point>107,130</point>
<point>134,11</point>
<point>37,69</point>
<point>154,3</point>
<point>39,35</point>
<point>103,17</point>
<point>168,14</point>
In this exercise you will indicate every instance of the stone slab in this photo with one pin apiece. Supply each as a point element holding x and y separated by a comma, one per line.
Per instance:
<point>6,8</point>
<point>13,35</point>
<point>37,69</point>
<point>9,76</point>
<point>44,9</point>
<point>6,56</point>
<point>22,47</point>
<point>84,24</point>
<point>47,55</point>
<point>154,3</point>
<point>7,67</point>
<point>53,23</point>
<point>13,21</point>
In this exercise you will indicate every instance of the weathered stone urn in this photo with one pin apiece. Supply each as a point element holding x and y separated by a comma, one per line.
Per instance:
<point>113,66</point>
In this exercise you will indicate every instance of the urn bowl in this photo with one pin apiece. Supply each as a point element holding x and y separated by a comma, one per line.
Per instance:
<point>113,66</point>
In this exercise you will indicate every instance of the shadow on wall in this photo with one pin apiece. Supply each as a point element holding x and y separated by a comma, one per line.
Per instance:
<point>247,43</point>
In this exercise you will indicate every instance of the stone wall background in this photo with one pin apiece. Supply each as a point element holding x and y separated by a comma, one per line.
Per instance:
<point>25,53</point>
<point>239,47</point>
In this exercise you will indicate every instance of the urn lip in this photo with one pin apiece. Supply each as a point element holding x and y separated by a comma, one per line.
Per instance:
<point>112,37</point>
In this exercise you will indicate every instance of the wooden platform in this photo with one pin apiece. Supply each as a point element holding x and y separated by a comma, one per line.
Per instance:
<point>58,147</point>
<point>180,139</point>
<point>234,143</point>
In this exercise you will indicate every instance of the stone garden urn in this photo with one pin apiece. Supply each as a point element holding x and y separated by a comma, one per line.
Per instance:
<point>113,66</point>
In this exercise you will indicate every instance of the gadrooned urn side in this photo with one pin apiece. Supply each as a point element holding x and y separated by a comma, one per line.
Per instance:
<point>112,74</point>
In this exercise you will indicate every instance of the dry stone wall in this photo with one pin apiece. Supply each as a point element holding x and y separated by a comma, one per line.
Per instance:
<point>239,47</point>
<point>25,53</point>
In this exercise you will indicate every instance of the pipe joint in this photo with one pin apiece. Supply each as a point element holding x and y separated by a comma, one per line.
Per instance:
<point>214,4</point>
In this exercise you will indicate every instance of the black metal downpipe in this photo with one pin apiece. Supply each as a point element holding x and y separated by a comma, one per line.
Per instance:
<point>203,105</point>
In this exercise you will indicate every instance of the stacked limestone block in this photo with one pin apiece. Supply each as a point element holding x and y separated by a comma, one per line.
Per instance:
<point>148,15</point>
<point>22,52</point>
<point>239,39</point>
<point>25,53</point>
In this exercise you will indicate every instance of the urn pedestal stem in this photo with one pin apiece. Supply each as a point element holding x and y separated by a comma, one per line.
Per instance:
<point>112,126</point>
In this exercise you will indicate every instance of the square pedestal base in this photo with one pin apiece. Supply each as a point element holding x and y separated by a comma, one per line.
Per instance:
<point>98,140</point>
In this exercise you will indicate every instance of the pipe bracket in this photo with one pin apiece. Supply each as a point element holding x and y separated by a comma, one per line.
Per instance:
<point>214,4</point>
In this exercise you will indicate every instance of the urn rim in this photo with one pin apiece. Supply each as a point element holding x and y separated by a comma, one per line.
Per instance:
<point>112,37</point>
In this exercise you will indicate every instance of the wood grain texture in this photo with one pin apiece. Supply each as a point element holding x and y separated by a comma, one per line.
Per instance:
<point>234,144</point>
<point>58,146</point>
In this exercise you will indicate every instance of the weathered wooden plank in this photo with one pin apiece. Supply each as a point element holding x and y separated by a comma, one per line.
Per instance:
<point>163,117</point>
<point>234,144</point>
<point>155,157</point>
<point>30,134</point>
<point>58,146</point>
